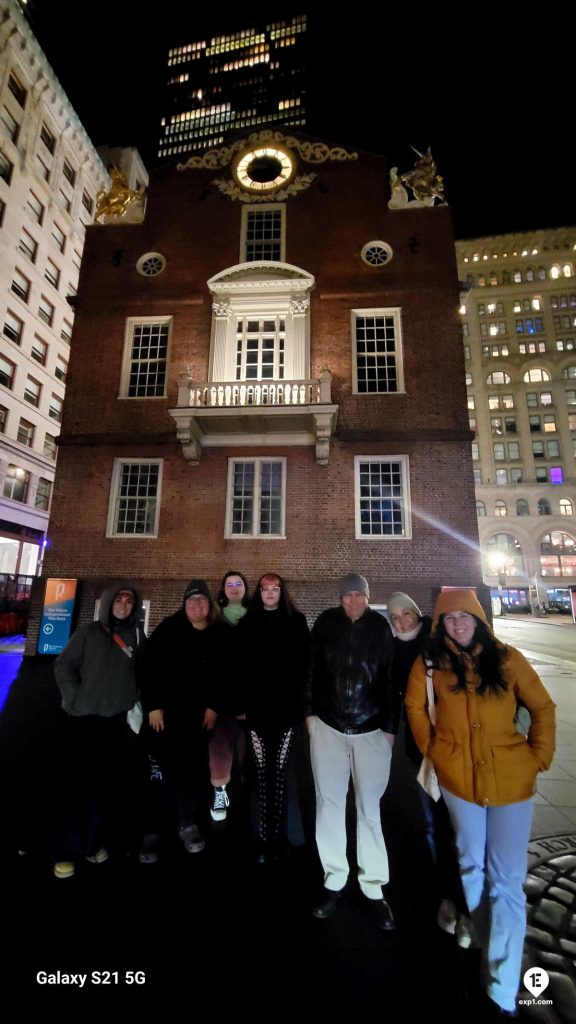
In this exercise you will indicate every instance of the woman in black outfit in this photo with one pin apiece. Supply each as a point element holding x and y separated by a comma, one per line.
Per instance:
<point>275,643</point>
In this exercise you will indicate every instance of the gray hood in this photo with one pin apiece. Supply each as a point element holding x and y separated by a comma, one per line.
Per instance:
<point>107,600</point>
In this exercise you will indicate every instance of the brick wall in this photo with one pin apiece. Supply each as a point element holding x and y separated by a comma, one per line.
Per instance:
<point>198,230</point>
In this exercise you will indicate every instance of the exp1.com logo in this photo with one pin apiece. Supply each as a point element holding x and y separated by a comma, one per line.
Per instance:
<point>536,980</point>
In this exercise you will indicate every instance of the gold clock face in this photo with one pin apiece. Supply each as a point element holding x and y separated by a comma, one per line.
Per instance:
<point>264,168</point>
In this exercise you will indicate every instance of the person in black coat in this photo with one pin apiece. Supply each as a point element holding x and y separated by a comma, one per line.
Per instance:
<point>275,646</point>
<point>182,685</point>
<point>352,715</point>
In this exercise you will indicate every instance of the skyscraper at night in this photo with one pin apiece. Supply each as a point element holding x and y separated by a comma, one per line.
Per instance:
<point>518,314</point>
<point>251,77</point>
<point>50,174</point>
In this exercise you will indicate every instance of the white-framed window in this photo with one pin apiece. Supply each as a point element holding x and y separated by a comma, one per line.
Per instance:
<point>32,391</point>
<point>256,502</point>
<point>35,208</point>
<point>55,408</point>
<point>28,246</point>
<point>49,449</point>
<point>61,368</point>
<point>43,492</point>
<point>6,168</point>
<point>48,138</point>
<point>16,483</point>
<point>150,264</point>
<point>17,89</point>
<point>52,273</point>
<point>135,498</point>
<point>7,371</point>
<point>263,233</point>
<point>377,341</point>
<point>145,357</point>
<point>59,237</point>
<point>69,173</point>
<point>20,286</point>
<point>261,320</point>
<point>376,253</point>
<point>382,497</point>
<point>39,350</point>
<point>46,310</point>
<point>25,433</point>
<point>10,125</point>
<point>260,347</point>
<point>13,327</point>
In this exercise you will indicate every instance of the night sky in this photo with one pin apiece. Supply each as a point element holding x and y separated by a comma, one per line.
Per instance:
<point>494,101</point>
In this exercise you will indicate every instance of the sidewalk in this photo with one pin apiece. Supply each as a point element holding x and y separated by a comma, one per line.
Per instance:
<point>215,923</point>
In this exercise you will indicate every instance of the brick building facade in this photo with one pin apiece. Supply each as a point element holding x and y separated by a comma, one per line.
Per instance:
<point>267,374</point>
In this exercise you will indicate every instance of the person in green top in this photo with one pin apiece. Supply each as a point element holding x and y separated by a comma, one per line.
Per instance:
<point>227,735</point>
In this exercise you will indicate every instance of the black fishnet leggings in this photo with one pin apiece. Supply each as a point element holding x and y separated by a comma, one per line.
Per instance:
<point>271,755</point>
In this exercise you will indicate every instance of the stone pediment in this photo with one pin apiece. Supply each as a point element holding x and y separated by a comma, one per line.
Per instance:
<point>261,277</point>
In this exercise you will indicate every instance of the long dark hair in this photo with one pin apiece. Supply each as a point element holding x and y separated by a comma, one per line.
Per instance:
<point>488,664</point>
<point>286,604</point>
<point>222,598</point>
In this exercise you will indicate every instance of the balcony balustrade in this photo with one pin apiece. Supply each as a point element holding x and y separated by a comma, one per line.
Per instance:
<point>263,412</point>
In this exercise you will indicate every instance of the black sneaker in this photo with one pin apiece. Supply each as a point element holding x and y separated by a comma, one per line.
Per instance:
<point>220,804</point>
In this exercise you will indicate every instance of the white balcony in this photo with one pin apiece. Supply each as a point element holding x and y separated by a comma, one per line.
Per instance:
<point>265,413</point>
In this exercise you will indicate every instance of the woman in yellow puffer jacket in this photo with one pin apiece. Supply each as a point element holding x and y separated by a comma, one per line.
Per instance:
<point>486,769</point>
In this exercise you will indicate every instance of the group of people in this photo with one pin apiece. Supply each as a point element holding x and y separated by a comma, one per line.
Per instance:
<point>239,676</point>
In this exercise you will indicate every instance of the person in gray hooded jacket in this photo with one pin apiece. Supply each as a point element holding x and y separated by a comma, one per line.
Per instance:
<point>97,680</point>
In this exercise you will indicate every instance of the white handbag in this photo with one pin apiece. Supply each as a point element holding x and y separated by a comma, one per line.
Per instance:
<point>427,775</point>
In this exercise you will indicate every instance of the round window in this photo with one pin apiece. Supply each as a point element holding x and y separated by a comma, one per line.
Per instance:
<point>376,254</point>
<point>151,264</point>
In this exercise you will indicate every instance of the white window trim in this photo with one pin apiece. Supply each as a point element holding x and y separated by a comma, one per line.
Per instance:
<point>131,323</point>
<point>396,313</point>
<point>260,290</point>
<point>257,460</point>
<point>262,208</point>
<point>114,484</point>
<point>405,462</point>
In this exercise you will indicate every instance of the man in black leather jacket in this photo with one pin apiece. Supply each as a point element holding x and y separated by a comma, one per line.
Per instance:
<point>352,716</point>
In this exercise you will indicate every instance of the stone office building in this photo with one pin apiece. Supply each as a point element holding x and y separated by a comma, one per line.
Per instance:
<point>268,374</point>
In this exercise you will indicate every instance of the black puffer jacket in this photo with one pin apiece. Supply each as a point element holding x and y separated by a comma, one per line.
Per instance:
<point>350,687</point>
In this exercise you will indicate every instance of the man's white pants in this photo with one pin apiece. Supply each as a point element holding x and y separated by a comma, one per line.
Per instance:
<point>336,756</point>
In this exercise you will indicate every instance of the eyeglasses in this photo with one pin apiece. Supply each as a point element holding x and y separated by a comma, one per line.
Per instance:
<point>229,583</point>
<point>270,590</point>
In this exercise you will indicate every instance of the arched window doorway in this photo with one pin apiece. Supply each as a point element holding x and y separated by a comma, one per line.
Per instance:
<point>558,554</point>
<point>503,555</point>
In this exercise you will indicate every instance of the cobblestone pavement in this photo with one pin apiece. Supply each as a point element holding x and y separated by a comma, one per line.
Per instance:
<point>551,935</point>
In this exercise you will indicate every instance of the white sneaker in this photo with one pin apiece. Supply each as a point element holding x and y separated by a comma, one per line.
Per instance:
<point>220,803</point>
<point>465,934</point>
<point>64,869</point>
<point>100,857</point>
<point>447,917</point>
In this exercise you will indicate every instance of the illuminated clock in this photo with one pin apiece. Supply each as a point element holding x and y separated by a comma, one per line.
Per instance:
<point>264,168</point>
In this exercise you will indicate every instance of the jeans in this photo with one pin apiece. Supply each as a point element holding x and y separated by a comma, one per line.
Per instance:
<point>492,847</point>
